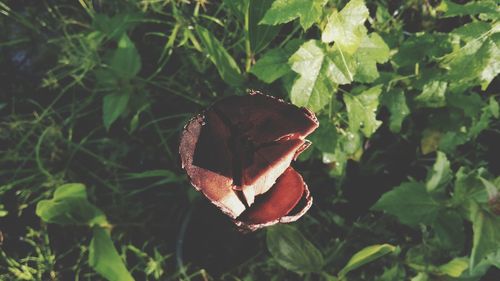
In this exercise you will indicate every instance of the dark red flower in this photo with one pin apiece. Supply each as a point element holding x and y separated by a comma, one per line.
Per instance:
<point>238,153</point>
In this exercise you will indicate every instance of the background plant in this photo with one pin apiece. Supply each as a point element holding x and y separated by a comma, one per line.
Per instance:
<point>404,168</point>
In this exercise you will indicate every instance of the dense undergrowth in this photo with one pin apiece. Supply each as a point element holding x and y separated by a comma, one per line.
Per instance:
<point>404,168</point>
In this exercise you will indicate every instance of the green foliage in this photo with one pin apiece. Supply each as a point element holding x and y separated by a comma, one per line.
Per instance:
<point>226,66</point>
<point>104,258</point>
<point>292,250</point>
<point>70,206</point>
<point>283,11</point>
<point>346,27</point>
<point>361,110</point>
<point>98,92</point>
<point>365,256</point>
<point>410,203</point>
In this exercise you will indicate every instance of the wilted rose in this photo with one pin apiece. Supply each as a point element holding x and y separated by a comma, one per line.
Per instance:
<point>238,154</point>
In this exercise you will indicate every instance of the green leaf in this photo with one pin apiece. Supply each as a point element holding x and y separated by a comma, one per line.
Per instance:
<point>115,26</point>
<point>494,107</point>
<point>271,66</point>
<point>440,174</point>
<point>125,61</point>
<point>454,268</point>
<point>260,35</point>
<point>104,258</point>
<point>486,234</point>
<point>476,60</point>
<point>433,94</point>
<point>472,30</point>
<point>225,64</point>
<point>3,212</point>
<point>283,11</point>
<point>480,124</point>
<point>113,105</point>
<point>346,27</point>
<point>371,51</point>
<point>410,203</point>
<point>362,110</point>
<point>449,229</point>
<point>69,205</point>
<point>292,250</point>
<point>314,87</point>
<point>472,8</point>
<point>422,47</point>
<point>326,136</point>
<point>470,104</point>
<point>468,187</point>
<point>365,256</point>
<point>395,101</point>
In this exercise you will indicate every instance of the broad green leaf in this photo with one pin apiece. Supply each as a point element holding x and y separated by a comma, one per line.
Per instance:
<point>365,256</point>
<point>395,101</point>
<point>477,60</point>
<point>480,124</point>
<point>472,8</point>
<point>259,35</point>
<point>362,110</point>
<point>433,94</point>
<point>292,250</point>
<point>274,63</point>
<point>271,66</point>
<point>113,105</point>
<point>326,136</point>
<point>470,104</point>
<point>283,11</point>
<point>490,187</point>
<point>371,51</point>
<point>468,187</point>
<point>225,64</point>
<point>69,190</point>
<point>410,203</point>
<point>69,205</point>
<point>492,69</point>
<point>486,234</point>
<point>449,229</point>
<point>450,140</point>
<point>125,61</point>
<point>440,174</point>
<point>346,28</point>
<point>115,26</point>
<point>454,268</point>
<point>472,30</point>
<point>104,258</point>
<point>314,87</point>
<point>422,47</point>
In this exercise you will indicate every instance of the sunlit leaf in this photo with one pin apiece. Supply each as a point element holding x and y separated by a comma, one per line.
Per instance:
<point>365,256</point>
<point>395,101</point>
<point>346,28</point>
<point>70,206</point>
<point>440,174</point>
<point>283,11</point>
<point>362,110</point>
<point>104,258</point>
